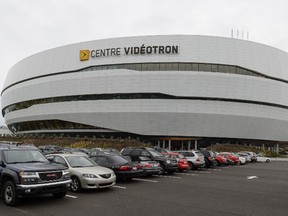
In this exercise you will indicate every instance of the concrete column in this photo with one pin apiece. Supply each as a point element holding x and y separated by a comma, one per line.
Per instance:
<point>169,144</point>
<point>196,145</point>
<point>189,144</point>
<point>277,148</point>
<point>158,143</point>
<point>163,144</point>
<point>182,145</point>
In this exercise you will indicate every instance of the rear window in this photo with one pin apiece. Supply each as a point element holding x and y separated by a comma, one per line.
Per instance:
<point>199,154</point>
<point>117,159</point>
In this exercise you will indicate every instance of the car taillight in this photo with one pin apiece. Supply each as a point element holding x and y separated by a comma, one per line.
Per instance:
<point>198,159</point>
<point>125,168</point>
<point>147,165</point>
<point>139,167</point>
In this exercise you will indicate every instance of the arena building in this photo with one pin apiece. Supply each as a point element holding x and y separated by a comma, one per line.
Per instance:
<point>170,87</point>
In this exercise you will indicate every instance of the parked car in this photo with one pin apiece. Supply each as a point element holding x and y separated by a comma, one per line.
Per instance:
<point>26,172</point>
<point>253,155</point>
<point>182,161</point>
<point>195,158</point>
<point>245,155</point>
<point>221,160</point>
<point>261,158</point>
<point>169,165</point>
<point>209,157</point>
<point>85,173</point>
<point>123,168</point>
<point>230,156</point>
<point>149,167</point>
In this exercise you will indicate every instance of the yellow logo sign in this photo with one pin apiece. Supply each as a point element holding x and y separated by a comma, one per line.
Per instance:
<point>84,55</point>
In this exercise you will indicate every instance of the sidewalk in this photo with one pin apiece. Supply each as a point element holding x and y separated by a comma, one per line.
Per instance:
<point>279,159</point>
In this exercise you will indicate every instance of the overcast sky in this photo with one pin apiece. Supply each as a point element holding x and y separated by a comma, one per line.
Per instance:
<point>31,26</point>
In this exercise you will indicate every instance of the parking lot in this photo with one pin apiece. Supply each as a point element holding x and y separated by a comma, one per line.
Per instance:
<point>252,189</point>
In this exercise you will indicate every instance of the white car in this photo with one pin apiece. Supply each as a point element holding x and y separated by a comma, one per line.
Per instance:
<point>263,159</point>
<point>195,158</point>
<point>85,173</point>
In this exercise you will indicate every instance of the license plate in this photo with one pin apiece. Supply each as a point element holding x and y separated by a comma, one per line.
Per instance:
<point>134,168</point>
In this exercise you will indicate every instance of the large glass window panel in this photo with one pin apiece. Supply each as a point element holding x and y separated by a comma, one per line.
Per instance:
<point>214,68</point>
<point>144,67</point>
<point>162,67</point>
<point>188,67</point>
<point>168,67</point>
<point>181,67</point>
<point>156,66</point>
<point>201,67</point>
<point>175,66</point>
<point>195,67</point>
<point>150,67</point>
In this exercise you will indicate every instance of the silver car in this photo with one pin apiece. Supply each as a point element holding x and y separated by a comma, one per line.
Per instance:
<point>195,158</point>
<point>85,173</point>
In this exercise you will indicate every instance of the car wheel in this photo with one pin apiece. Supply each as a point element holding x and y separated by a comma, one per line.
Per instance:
<point>75,185</point>
<point>191,166</point>
<point>162,169</point>
<point>10,197</point>
<point>60,195</point>
<point>267,161</point>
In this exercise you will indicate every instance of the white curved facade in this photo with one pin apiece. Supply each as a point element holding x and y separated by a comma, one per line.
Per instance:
<point>213,100</point>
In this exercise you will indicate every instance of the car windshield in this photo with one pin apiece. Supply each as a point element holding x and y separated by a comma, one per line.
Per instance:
<point>80,161</point>
<point>117,159</point>
<point>24,156</point>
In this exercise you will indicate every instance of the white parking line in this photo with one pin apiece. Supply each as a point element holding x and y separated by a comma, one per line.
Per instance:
<point>188,174</point>
<point>251,177</point>
<point>202,171</point>
<point>74,197</point>
<point>116,186</point>
<point>163,176</point>
<point>145,180</point>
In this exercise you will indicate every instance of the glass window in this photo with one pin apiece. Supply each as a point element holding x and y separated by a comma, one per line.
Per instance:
<point>181,67</point>
<point>156,67</point>
<point>100,160</point>
<point>138,67</point>
<point>195,67</point>
<point>175,66</point>
<point>188,67</point>
<point>201,67</point>
<point>214,68</point>
<point>144,67</point>
<point>150,67</point>
<point>168,67</point>
<point>162,67</point>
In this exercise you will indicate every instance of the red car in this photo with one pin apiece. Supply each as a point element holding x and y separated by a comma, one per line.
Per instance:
<point>182,161</point>
<point>231,157</point>
<point>221,160</point>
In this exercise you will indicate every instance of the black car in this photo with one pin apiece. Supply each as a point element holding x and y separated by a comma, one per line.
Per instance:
<point>168,165</point>
<point>209,157</point>
<point>149,167</point>
<point>26,172</point>
<point>123,168</point>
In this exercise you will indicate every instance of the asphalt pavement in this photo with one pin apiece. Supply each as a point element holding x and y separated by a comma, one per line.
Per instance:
<point>252,189</point>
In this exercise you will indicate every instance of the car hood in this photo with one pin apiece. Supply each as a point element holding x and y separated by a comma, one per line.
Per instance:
<point>35,167</point>
<point>91,170</point>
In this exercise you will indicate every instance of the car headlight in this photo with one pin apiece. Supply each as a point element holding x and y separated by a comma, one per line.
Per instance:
<point>27,174</point>
<point>28,177</point>
<point>86,175</point>
<point>168,161</point>
<point>65,172</point>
